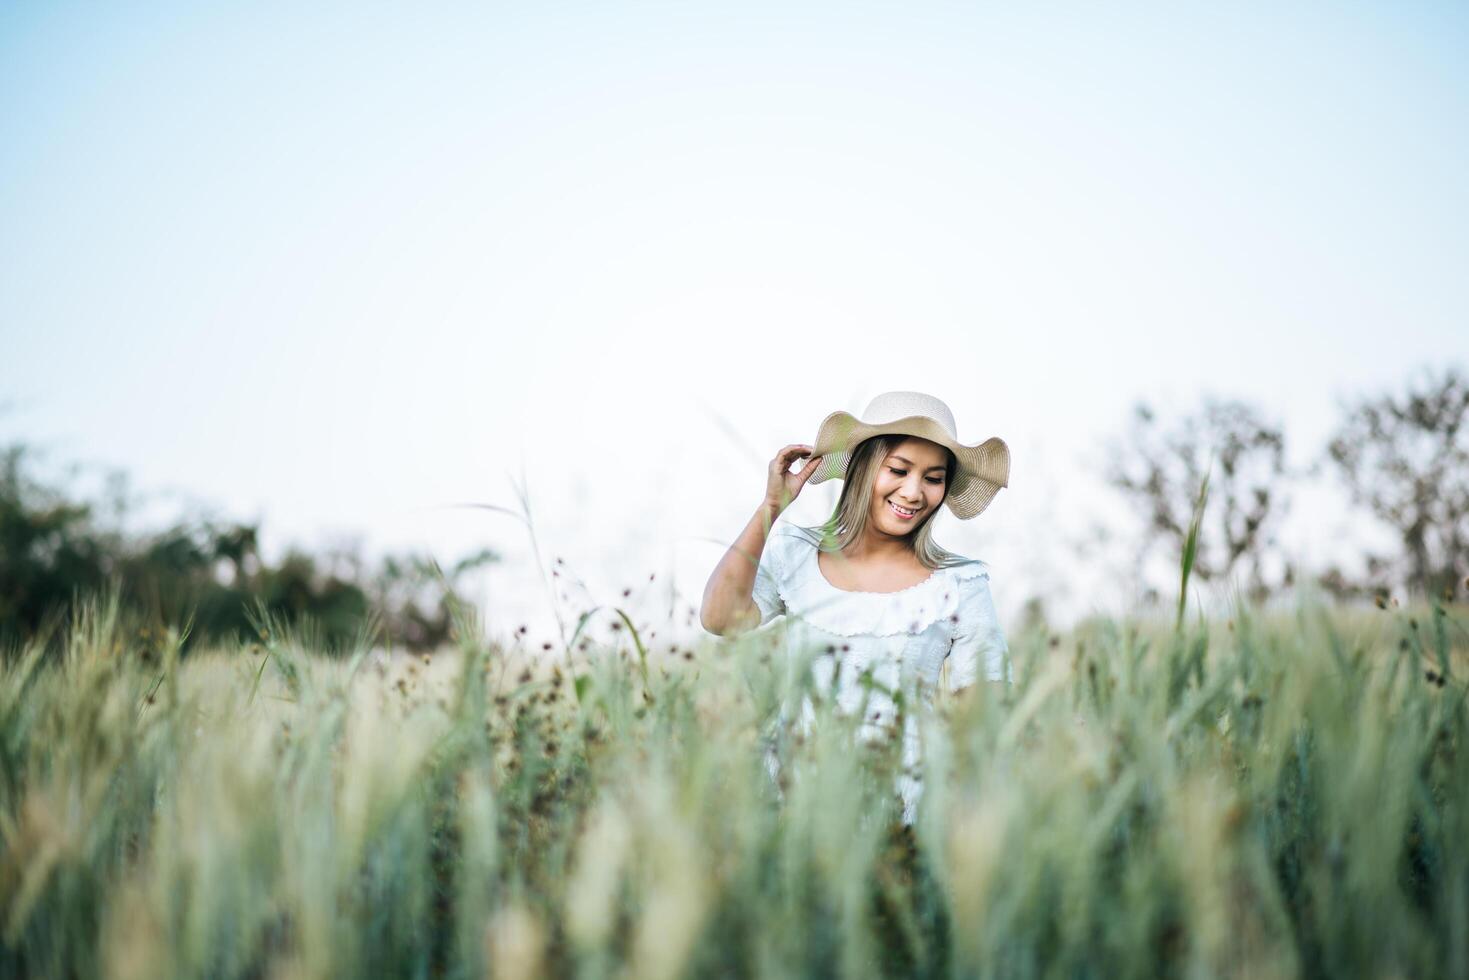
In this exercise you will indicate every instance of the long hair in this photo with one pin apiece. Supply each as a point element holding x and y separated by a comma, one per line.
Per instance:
<point>849,519</point>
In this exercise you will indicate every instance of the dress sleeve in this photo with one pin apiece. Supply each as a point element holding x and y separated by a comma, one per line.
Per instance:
<point>767,578</point>
<point>979,642</point>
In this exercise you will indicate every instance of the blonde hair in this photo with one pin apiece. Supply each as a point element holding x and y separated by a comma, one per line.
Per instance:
<point>849,519</point>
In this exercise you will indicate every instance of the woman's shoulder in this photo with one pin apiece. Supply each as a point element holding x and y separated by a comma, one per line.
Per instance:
<point>793,537</point>
<point>965,569</point>
<point>786,542</point>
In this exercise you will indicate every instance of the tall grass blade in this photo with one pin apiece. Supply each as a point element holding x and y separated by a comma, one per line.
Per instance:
<point>1191,549</point>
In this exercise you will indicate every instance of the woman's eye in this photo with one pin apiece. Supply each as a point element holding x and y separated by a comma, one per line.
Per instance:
<point>935,480</point>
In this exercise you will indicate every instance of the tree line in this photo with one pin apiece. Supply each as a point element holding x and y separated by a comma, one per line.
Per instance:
<point>1401,457</point>
<point>207,574</point>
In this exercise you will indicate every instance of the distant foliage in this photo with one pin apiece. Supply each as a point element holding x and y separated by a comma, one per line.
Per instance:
<point>1405,459</point>
<point>49,550</point>
<point>1160,467</point>
<point>208,574</point>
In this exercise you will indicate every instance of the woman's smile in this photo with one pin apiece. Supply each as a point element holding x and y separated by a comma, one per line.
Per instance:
<point>904,514</point>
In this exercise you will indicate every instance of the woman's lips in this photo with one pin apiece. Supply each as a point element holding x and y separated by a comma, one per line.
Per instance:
<point>901,516</point>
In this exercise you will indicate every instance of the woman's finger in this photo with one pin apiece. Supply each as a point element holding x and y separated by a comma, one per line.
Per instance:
<point>789,453</point>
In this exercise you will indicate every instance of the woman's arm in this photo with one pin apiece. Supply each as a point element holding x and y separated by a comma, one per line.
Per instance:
<point>729,606</point>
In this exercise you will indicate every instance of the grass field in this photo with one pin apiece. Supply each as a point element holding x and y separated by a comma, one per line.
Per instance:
<point>1258,797</point>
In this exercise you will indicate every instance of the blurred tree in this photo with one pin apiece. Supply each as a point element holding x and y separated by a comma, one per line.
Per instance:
<point>1406,460</point>
<point>414,589</point>
<point>49,550</point>
<point>1159,469</point>
<point>52,551</point>
<point>296,589</point>
<point>239,546</point>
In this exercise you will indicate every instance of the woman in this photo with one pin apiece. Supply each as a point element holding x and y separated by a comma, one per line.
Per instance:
<point>870,586</point>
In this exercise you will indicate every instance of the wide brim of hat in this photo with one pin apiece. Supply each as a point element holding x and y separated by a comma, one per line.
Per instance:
<point>982,469</point>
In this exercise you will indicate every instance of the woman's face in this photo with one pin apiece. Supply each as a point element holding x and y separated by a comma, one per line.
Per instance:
<point>911,477</point>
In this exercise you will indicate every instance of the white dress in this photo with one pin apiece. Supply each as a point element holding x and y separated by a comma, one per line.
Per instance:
<point>902,637</point>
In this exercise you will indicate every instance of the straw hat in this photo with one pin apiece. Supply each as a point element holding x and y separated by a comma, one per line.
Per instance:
<point>983,469</point>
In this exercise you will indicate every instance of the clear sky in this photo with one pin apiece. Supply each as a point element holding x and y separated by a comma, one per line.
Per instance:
<point>335,265</point>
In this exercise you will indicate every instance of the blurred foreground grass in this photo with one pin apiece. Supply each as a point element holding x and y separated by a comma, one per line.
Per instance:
<point>1257,797</point>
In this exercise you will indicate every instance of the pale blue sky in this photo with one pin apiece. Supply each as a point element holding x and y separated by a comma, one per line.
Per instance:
<point>333,265</point>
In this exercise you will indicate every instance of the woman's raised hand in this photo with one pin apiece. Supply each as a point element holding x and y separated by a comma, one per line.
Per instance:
<point>783,486</point>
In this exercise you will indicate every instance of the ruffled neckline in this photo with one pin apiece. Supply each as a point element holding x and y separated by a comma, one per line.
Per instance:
<point>816,564</point>
<point>845,612</point>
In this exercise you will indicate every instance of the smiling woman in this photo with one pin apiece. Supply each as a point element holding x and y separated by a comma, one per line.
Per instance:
<point>870,588</point>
